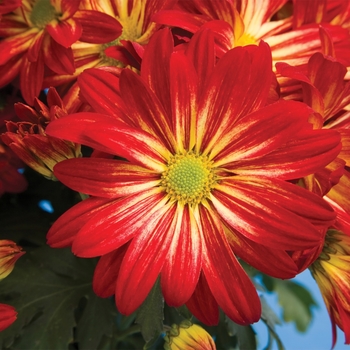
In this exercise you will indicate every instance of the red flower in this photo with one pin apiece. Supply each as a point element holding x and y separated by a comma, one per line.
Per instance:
<point>205,177</point>
<point>292,31</point>
<point>28,140</point>
<point>135,20</point>
<point>40,33</point>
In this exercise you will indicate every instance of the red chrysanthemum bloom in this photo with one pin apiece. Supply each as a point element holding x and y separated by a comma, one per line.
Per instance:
<point>8,315</point>
<point>291,30</point>
<point>135,18</point>
<point>204,177</point>
<point>40,33</point>
<point>321,85</point>
<point>28,140</point>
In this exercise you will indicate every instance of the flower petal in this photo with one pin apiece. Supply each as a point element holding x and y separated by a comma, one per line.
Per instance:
<point>111,136</point>
<point>113,179</point>
<point>101,90</point>
<point>230,285</point>
<point>65,32</point>
<point>306,153</point>
<point>116,224</point>
<point>156,75</point>
<point>201,51</point>
<point>144,260</point>
<point>31,79</point>
<point>98,27</point>
<point>8,315</point>
<point>106,272</point>
<point>183,92</point>
<point>233,93</point>
<point>182,266</point>
<point>202,304</point>
<point>273,262</point>
<point>285,215</point>
<point>62,233</point>
<point>144,108</point>
<point>271,127</point>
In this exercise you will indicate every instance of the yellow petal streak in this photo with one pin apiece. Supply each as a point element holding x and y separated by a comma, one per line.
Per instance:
<point>189,178</point>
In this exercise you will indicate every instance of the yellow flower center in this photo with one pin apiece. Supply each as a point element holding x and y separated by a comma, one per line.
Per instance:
<point>189,178</point>
<point>42,13</point>
<point>244,40</point>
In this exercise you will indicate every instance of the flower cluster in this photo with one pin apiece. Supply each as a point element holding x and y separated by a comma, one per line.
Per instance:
<point>219,133</point>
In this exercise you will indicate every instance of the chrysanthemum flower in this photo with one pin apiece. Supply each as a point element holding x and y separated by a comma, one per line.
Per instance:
<point>332,274</point>
<point>8,315</point>
<point>293,36</point>
<point>188,336</point>
<point>203,176</point>
<point>28,140</point>
<point>39,34</point>
<point>322,87</point>
<point>135,18</point>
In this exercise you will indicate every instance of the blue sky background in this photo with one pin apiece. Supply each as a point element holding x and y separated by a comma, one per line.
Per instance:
<point>319,334</point>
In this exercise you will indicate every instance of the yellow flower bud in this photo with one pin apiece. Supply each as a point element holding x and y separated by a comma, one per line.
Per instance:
<point>188,336</point>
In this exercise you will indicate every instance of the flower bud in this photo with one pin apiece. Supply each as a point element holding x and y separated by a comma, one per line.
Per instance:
<point>9,253</point>
<point>188,336</point>
<point>332,273</point>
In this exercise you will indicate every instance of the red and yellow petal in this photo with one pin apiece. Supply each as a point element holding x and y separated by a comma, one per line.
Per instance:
<point>285,215</point>
<point>62,233</point>
<point>271,127</point>
<point>183,263</point>
<point>233,93</point>
<point>118,223</point>
<point>65,32</point>
<point>98,27</point>
<point>306,153</point>
<point>113,179</point>
<point>144,108</point>
<point>183,92</point>
<point>144,259</point>
<point>229,283</point>
<point>159,49</point>
<point>106,134</point>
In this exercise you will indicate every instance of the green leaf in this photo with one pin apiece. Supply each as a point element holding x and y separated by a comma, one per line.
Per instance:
<point>150,314</point>
<point>96,322</point>
<point>270,319</point>
<point>267,314</point>
<point>246,336</point>
<point>296,302</point>
<point>45,288</point>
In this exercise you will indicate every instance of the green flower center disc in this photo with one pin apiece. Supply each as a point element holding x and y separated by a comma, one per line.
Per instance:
<point>42,13</point>
<point>188,178</point>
